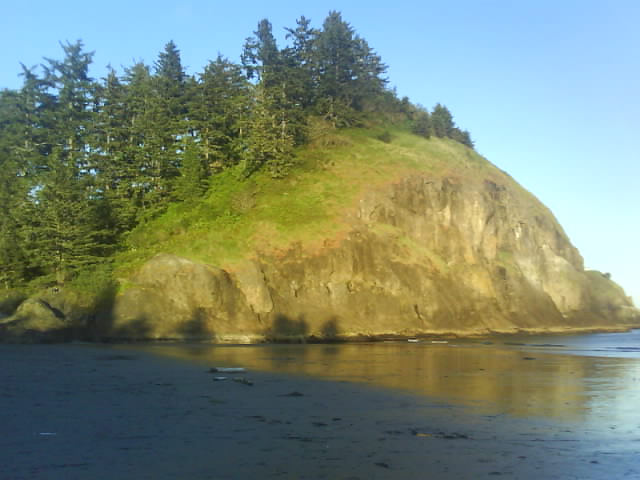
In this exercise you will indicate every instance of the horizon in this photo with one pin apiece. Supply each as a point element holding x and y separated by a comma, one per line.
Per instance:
<point>548,92</point>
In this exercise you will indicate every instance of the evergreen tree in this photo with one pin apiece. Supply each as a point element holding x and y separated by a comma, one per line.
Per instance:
<point>168,116</point>
<point>82,163</point>
<point>335,60</point>
<point>368,73</point>
<point>170,82</point>
<point>113,159</point>
<point>148,189</point>
<point>422,123</point>
<point>442,121</point>
<point>348,71</point>
<point>301,62</point>
<point>74,102</point>
<point>463,137</point>
<point>260,55</point>
<point>66,227</point>
<point>277,120</point>
<point>192,182</point>
<point>444,126</point>
<point>27,135</point>
<point>269,144</point>
<point>12,259</point>
<point>11,131</point>
<point>37,123</point>
<point>12,191</point>
<point>170,74</point>
<point>218,108</point>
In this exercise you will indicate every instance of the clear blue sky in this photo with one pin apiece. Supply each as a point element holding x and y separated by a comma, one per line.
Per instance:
<point>550,90</point>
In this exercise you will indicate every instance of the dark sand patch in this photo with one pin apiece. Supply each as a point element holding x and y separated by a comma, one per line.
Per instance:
<point>75,411</point>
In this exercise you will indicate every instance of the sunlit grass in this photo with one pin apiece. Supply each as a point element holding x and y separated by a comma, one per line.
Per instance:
<point>239,216</point>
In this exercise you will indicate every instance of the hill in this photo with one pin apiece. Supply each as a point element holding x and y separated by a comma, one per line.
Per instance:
<point>376,232</point>
<point>292,195</point>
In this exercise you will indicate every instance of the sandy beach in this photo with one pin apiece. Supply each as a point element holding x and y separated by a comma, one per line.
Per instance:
<point>91,412</point>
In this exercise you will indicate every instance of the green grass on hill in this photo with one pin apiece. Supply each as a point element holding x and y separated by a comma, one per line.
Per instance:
<point>239,215</point>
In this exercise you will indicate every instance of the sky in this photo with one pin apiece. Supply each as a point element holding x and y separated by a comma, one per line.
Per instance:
<point>549,89</point>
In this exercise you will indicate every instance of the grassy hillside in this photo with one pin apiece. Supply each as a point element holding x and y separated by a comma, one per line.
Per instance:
<point>240,215</point>
<point>314,206</point>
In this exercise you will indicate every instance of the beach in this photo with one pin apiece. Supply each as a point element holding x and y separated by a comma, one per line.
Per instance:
<point>98,412</point>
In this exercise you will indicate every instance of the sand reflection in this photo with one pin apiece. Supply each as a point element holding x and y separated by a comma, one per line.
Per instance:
<point>492,379</point>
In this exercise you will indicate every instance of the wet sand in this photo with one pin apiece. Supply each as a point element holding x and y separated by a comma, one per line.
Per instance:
<point>86,412</point>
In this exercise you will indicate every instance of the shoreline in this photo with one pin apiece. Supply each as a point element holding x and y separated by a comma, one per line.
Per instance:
<point>84,411</point>
<point>78,335</point>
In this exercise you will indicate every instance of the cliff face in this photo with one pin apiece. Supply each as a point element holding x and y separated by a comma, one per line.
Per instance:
<point>421,254</point>
<point>403,238</point>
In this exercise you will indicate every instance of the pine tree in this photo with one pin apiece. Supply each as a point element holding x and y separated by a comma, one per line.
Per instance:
<point>276,114</point>
<point>74,97</point>
<point>12,260</point>
<point>170,82</point>
<point>260,55</point>
<point>12,191</point>
<point>37,123</point>
<point>349,71</point>
<point>82,163</point>
<point>54,122</point>
<point>269,144</point>
<point>27,135</point>
<point>442,121</point>
<point>67,237</point>
<point>368,72</point>
<point>147,189</point>
<point>168,117</point>
<point>113,158</point>
<point>422,124</point>
<point>218,107</point>
<point>301,62</point>
<point>192,182</point>
<point>463,137</point>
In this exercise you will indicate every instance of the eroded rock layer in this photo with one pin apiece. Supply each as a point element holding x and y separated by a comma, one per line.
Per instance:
<point>420,256</point>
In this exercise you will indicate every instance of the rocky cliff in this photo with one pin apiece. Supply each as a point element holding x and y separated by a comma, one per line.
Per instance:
<point>421,254</point>
<point>448,246</point>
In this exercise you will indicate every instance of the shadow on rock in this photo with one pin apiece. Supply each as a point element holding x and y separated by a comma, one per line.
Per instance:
<point>197,328</point>
<point>286,329</point>
<point>100,325</point>
<point>291,330</point>
<point>330,329</point>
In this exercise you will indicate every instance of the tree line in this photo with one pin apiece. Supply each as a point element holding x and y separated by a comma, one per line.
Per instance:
<point>83,161</point>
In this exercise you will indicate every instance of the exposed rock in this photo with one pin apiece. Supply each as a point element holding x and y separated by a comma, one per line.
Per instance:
<point>36,314</point>
<point>35,320</point>
<point>438,247</point>
<point>172,297</point>
<point>250,279</point>
<point>424,255</point>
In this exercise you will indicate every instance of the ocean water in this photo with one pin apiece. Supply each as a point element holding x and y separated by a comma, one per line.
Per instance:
<point>615,345</point>
<point>592,380</point>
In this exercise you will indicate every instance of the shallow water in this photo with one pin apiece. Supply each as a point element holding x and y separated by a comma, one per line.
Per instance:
<point>592,379</point>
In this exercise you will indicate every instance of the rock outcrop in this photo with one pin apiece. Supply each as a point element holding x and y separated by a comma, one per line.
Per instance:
<point>421,255</point>
<point>35,320</point>
<point>430,238</point>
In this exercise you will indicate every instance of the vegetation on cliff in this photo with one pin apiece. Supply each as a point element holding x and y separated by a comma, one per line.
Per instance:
<point>288,196</point>
<point>92,170</point>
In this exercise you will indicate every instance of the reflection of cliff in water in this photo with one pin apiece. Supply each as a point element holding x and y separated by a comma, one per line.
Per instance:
<point>488,378</point>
